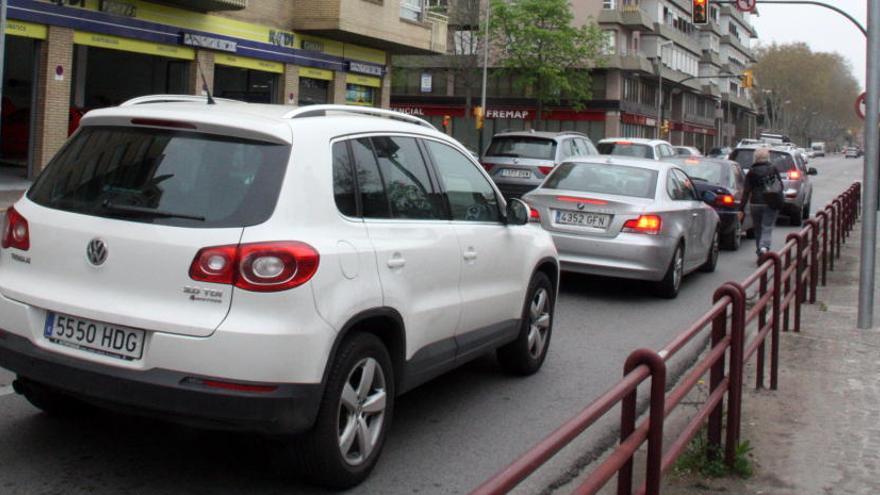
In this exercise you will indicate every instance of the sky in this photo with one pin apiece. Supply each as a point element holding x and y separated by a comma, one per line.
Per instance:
<point>822,29</point>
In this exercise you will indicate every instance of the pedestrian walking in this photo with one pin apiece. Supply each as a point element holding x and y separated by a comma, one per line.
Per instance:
<point>763,192</point>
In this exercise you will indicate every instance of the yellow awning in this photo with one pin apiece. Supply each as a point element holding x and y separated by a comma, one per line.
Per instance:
<point>25,29</point>
<point>248,63</point>
<point>373,82</point>
<point>130,45</point>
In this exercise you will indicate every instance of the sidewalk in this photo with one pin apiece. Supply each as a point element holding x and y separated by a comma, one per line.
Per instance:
<point>820,432</point>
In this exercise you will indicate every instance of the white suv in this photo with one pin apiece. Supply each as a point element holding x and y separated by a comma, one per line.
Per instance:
<point>264,268</point>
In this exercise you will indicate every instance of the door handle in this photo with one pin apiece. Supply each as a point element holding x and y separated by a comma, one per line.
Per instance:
<point>695,214</point>
<point>396,261</point>
<point>470,254</point>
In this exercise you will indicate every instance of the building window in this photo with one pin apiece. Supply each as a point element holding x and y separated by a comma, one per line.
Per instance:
<point>411,10</point>
<point>355,94</point>
<point>610,47</point>
<point>465,42</point>
<point>609,4</point>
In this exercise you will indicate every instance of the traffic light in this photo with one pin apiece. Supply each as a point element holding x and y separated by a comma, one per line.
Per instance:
<point>447,119</point>
<point>748,78</point>
<point>478,116</point>
<point>700,12</point>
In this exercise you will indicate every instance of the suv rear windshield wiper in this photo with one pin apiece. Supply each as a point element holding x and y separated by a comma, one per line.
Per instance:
<point>148,212</point>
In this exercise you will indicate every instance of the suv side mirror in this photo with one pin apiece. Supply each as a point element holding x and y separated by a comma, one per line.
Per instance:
<point>812,171</point>
<point>517,212</point>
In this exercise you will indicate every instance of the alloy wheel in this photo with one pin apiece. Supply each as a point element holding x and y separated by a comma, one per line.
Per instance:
<point>361,414</point>
<point>539,322</point>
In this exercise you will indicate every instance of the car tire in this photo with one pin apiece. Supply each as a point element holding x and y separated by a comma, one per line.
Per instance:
<point>356,410</point>
<point>797,216</point>
<point>668,287</point>
<point>712,255</point>
<point>50,401</point>
<point>733,240</point>
<point>525,355</point>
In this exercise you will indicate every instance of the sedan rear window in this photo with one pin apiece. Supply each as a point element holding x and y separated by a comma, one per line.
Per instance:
<point>709,171</point>
<point>746,158</point>
<point>523,147</point>
<point>604,179</point>
<point>164,177</point>
<point>626,149</point>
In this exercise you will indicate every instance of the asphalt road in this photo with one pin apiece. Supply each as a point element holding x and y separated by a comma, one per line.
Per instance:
<point>448,435</point>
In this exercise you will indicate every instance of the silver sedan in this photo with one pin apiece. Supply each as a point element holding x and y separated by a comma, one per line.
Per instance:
<point>628,218</point>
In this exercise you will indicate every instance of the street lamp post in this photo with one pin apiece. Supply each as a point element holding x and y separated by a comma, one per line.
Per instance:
<point>658,61</point>
<point>485,75</point>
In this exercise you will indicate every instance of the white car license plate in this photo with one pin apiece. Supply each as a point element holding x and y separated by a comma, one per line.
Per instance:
<point>102,338</point>
<point>518,174</point>
<point>595,220</point>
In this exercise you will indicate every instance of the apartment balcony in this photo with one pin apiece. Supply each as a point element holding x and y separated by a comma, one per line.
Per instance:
<point>397,27</point>
<point>735,13</point>
<point>738,100</point>
<point>692,43</point>
<point>209,5</point>
<point>630,62</point>
<point>729,39</point>
<point>627,14</point>
<point>710,57</point>
<point>711,26</point>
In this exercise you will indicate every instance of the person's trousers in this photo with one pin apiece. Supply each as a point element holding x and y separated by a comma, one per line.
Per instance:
<point>763,221</point>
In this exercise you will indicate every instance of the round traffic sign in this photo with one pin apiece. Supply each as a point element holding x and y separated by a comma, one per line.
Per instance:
<point>746,5</point>
<point>860,106</point>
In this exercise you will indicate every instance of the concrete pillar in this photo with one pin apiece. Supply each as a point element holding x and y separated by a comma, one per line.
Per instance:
<point>288,85</point>
<point>612,124</point>
<point>79,91</point>
<point>385,97</point>
<point>53,94</point>
<point>338,89</point>
<point>202,65</point>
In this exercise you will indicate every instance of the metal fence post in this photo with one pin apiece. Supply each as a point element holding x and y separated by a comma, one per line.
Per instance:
<point>716,376</point>
<point>786,312</point>
<point>799,279</point>
<point>824,216</point>
<point>814,255</point>
<point>777,302</point>
<point>656,416</point>
<point>762,320</point>
<point>832,215</point>
<point>841,224</point>
<point>737,343</point>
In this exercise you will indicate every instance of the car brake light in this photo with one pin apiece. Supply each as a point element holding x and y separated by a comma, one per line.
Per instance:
<point>545,169</point>
<point>16,233</point>
<point>725,200</point>
<point>534,216</point>
<point>575,199</point>
<point>487,166</point>
<point>257,267</point>
<point>645,224</point>
<point>794,175</point>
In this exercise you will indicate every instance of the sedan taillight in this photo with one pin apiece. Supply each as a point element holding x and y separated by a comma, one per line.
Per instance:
<point>644,224</point>
<point>545,169</point>
<point>16,233</point>
<point>257,267</point>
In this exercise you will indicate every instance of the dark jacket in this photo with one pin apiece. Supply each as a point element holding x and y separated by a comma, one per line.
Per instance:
<point>755,179</point>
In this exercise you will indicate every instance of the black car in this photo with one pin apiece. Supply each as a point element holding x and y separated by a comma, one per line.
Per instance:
<point>726,180</point>
<point>719,152</point>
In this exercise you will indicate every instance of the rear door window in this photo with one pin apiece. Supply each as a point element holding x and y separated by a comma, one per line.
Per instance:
<point>164,177</point>
<point>471,197</point>
<point>523,147</point>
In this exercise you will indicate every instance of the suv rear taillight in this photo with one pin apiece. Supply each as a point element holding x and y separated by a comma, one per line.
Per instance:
<point>257,267</point>
<point>794,175</point>
<point>645,224</point>
<point>545,169</point>
<point>16,233</point>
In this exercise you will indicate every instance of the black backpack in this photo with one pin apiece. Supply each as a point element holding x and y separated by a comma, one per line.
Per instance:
<point>770,188</point>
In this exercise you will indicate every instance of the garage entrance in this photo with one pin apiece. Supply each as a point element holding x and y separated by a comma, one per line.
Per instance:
<point>17,105</point>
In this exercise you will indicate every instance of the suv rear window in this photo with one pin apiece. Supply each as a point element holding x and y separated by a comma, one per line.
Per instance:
<point>523,147</point>
<point>164,177</point>
<point>746,158</point>
<point>603,179</point>
<point>626,149</point>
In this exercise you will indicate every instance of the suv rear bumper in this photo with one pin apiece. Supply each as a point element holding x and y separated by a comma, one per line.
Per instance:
<point>163,394</point>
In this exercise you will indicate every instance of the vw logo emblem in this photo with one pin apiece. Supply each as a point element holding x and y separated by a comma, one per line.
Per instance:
<point>581,206</point>
<point>96,252</point>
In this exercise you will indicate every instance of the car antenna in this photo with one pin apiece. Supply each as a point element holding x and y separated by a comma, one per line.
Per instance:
<point>205,87</point>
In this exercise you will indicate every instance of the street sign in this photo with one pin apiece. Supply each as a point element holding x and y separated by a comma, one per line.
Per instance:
<point>860,106</point>
<point>745,5</point>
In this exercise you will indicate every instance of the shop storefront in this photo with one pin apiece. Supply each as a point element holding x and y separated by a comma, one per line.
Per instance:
<point>246,79</point>
<point>362,90</point>
<point>314,86</point>
<point>702,138</point>
<point>637,126</point>
<point>19,78</point>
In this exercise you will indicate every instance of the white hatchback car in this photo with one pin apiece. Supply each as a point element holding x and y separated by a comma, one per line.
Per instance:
<point>265,268</point>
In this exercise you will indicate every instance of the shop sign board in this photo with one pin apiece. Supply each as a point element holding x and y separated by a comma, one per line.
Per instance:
<point>427,82</point>
<point>202,41</point>
<point>368,69</point>
<point>429,110</point>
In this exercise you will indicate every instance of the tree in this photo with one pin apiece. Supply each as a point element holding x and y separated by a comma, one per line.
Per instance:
<point>549,57</point>
<point>807,95</point>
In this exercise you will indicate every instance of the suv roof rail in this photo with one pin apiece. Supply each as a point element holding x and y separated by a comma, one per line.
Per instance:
<point>576,133</point>
<point>323,110</point>
<point>141,100</point>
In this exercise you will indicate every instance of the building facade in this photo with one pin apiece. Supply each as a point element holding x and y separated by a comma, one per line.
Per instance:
<point>704,104</point>
<point>65,57</point>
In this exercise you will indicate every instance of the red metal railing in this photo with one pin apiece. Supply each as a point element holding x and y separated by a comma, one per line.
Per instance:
<point>781,284</point>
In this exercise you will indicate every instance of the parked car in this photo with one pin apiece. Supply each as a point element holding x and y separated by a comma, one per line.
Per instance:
<point>723,152</point>
<point>687,151</point>
<point>267,269</point>
<point>628,218</point>
<point>519,161</point>
<point>726,180</point>
<point>818,148</point>
<point>652,149</point>
<point>851,152</point>
<point>795,178</point>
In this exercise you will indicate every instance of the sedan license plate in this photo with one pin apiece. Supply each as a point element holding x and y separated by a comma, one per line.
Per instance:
<point>93,336</point>
<point>518,174</point>
<point>594,220</point>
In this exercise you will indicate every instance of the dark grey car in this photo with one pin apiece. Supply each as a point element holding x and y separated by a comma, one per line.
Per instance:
<point>795,178</point>
<point>519,161</point>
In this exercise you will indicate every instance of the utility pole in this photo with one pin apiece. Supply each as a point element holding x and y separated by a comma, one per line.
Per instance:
<point>872,161</point>
<point>2,44</point>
